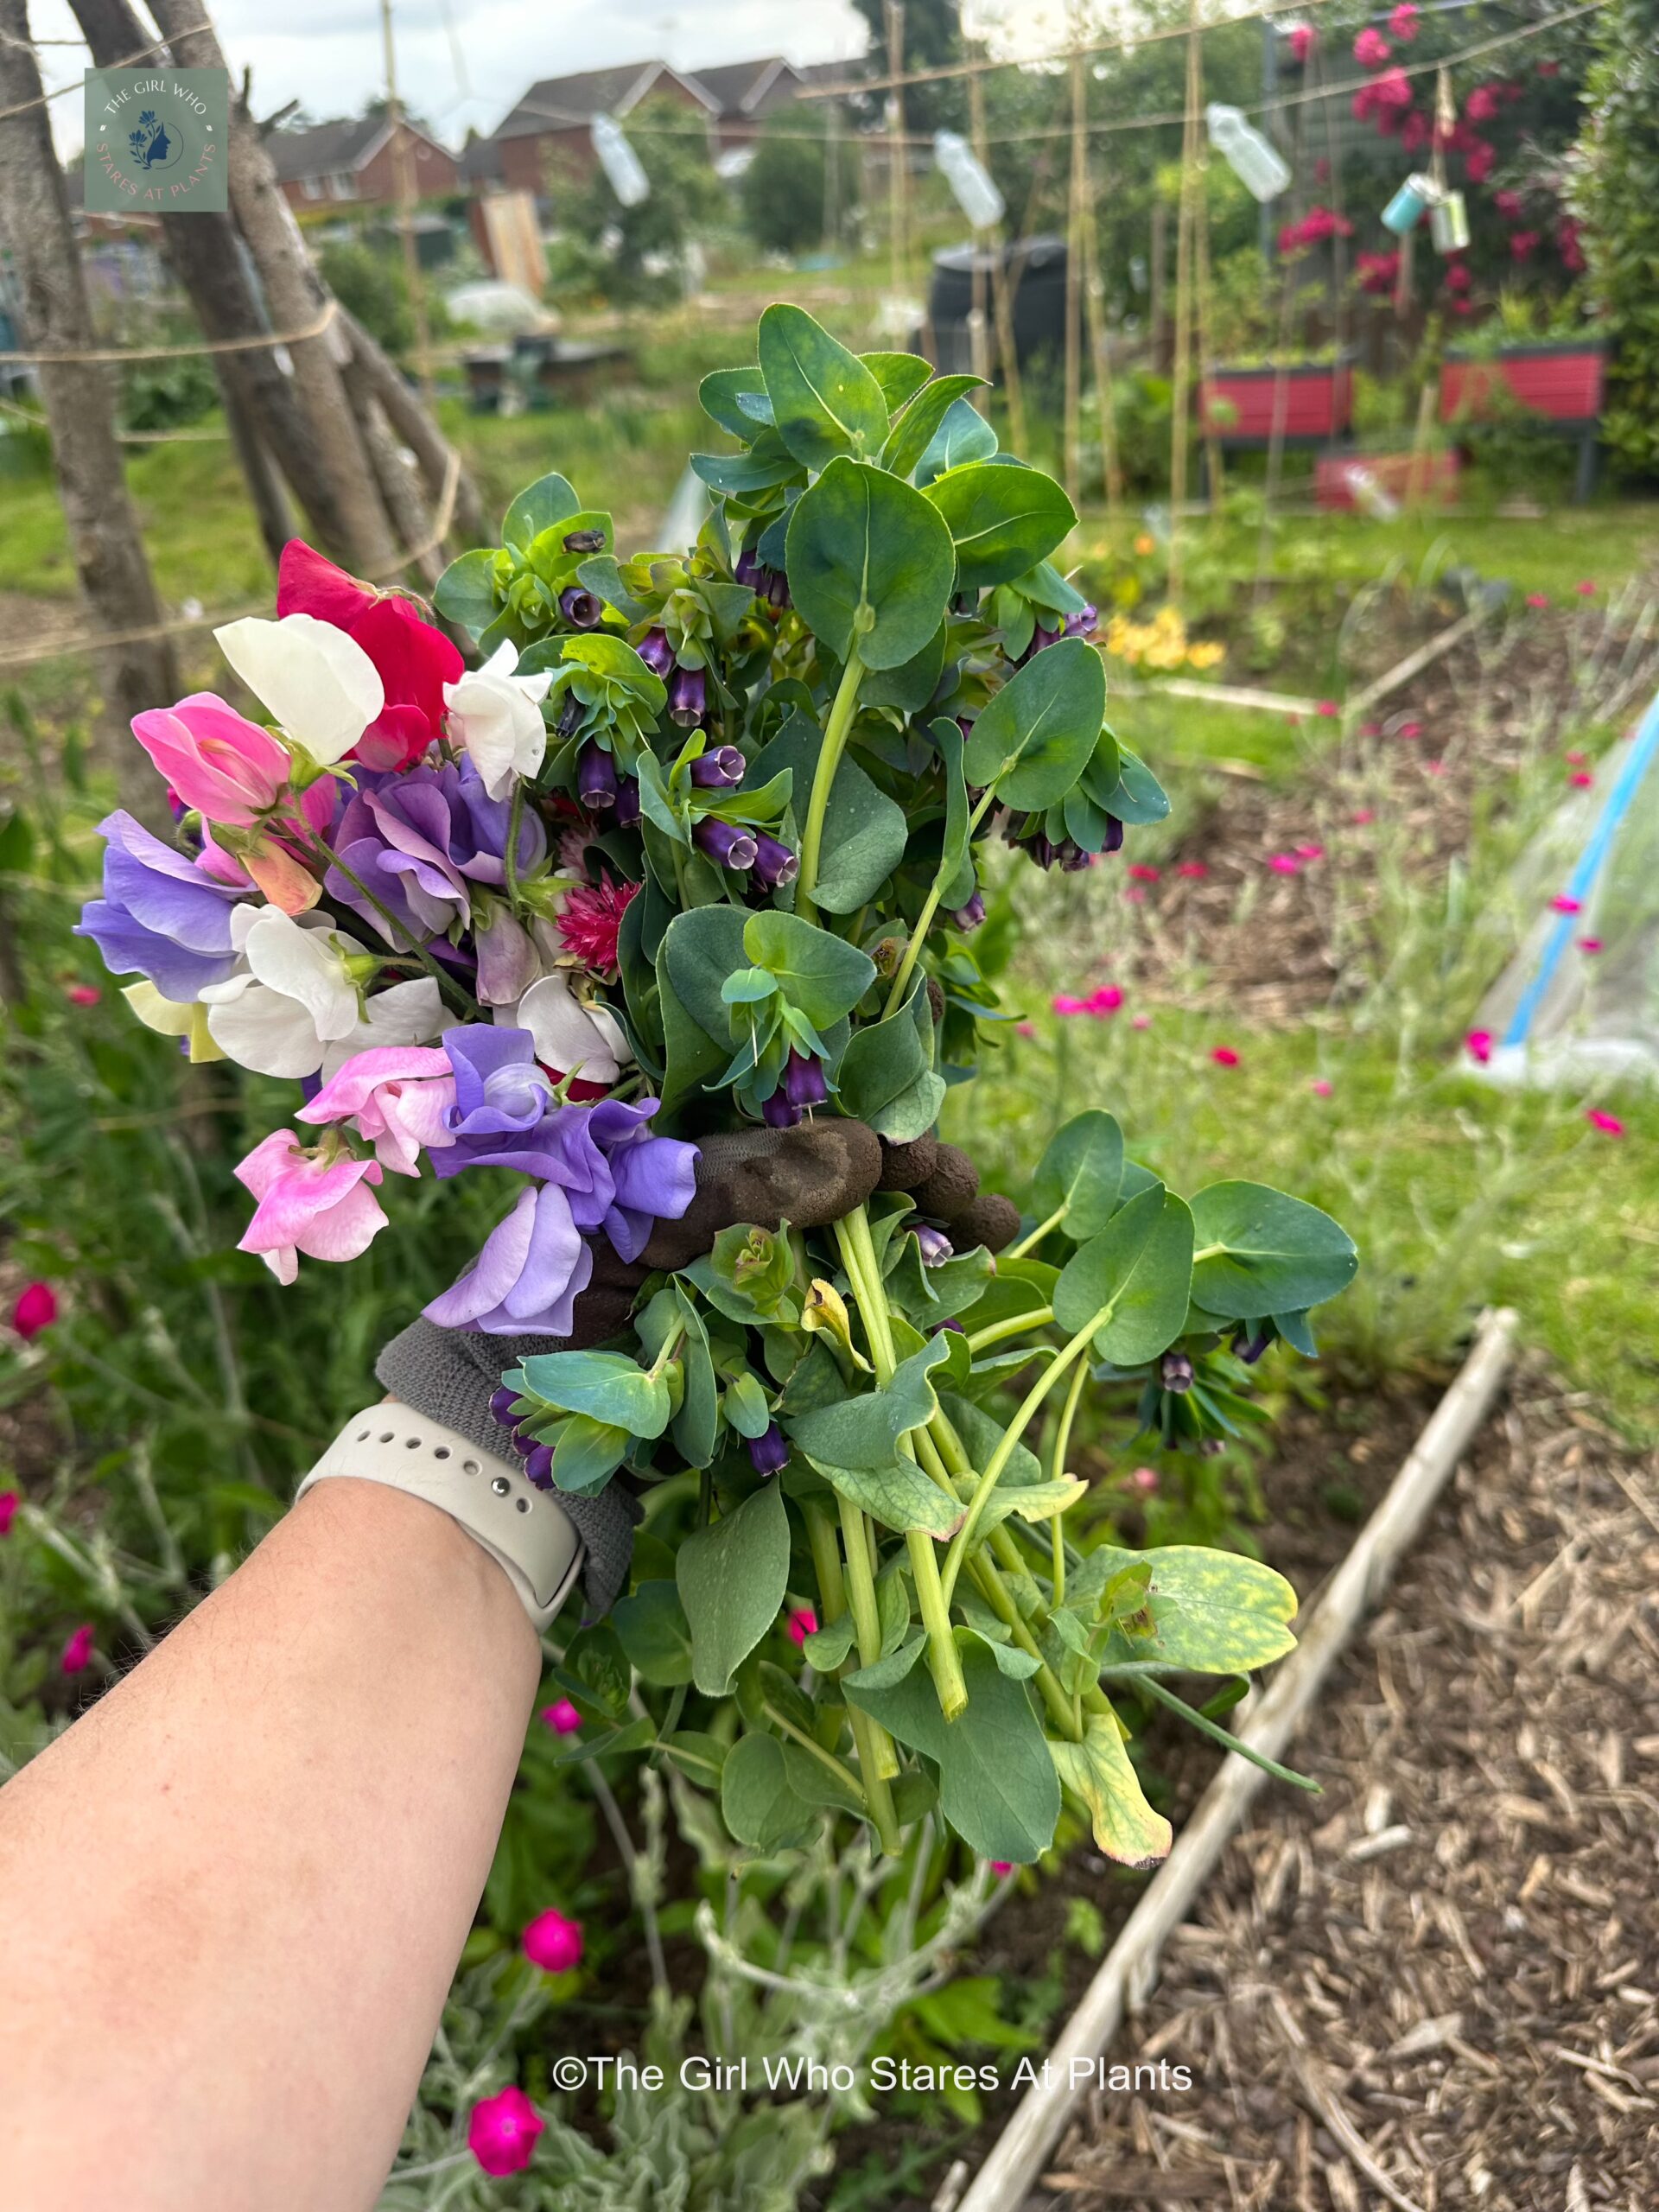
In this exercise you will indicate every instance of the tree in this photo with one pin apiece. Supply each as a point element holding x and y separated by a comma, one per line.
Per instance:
<point>792,200</point>
<point>932,40</point>
<point>1615,193</point>
<point>672,145</point>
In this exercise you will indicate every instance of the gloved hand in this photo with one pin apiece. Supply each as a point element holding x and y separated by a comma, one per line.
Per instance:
<point>809,1176</point>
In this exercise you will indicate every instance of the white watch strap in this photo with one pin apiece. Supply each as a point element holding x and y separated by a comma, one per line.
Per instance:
<point>521,1528</point>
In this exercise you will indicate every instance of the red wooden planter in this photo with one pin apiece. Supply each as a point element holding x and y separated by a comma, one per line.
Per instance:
<point>1564,381</point>
<point>1318,403</point>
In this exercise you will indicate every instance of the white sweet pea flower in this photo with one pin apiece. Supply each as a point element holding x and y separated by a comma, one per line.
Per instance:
<point>296,1008</point>
<point>314,680</point>
<point>573,1038</point>
<point>496,717</point>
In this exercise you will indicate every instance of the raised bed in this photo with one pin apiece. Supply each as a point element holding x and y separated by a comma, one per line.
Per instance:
<point>1317,399</point>
<point>1562,382</point>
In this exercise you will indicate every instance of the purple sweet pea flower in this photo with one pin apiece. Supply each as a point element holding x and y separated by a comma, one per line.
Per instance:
<point>525,1281</point>
<point>160,916</point>
<point>421,840</point>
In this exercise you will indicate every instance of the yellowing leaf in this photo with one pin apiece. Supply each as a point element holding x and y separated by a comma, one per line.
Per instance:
<point>1098,1770</point>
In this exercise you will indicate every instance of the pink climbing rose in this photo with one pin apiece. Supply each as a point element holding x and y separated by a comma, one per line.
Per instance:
<point>1371,49</point>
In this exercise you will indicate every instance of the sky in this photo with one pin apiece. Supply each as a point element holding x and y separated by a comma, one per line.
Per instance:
<point>463,64</point>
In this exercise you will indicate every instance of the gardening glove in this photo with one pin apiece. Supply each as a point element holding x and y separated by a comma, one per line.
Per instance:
<point>808,1176</point>
<point>942,1184</point>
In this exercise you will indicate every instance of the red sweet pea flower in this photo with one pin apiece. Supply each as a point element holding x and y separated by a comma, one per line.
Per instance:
<point>413,658</point>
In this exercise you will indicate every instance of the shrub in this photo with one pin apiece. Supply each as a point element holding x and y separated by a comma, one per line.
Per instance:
<point>1616,193</point>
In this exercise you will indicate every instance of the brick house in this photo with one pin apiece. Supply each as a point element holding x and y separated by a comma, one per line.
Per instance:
<point>745,93</point>
<point>353,162</point>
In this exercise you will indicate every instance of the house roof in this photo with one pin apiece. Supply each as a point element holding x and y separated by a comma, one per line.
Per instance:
<point>740,88</point>
<point>567,103</point>
<point>322,148</point>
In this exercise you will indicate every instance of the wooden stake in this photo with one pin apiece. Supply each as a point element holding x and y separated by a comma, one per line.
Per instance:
<point>897,182</point>
<point>1001,305</point>
<point>1206,352</point>
<point>402,156</point>
<point>1181,387</point>
<point>1100,347</point>
<point>1071,432</point>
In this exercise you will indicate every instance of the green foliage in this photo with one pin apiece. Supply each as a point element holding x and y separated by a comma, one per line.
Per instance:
<point>800,189</point>
<point>371,283</point>
<point>637,253</point>
<point>1615,191</point>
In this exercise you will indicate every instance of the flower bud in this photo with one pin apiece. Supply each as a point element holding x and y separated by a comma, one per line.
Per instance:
<point>580,608</point>
<point>724,843</point>
<point>538,1467</point>
<point>596,780</point>
<point>584,541</point>
<point>1082,624</point>
<point>1175,1372</point>
<point>1113,836</point>
<point>804,1083</point>
<point>971,916</point>
<point>774,863</point>
<point>627,803</point>
<point>800,1624</point>
<point>769,1453</point>
<point>722,768</point>
<point>656,652</point>
<point>777,1113</point>
<point>688,697</point>
<point>1250,1348</point>
<point>553,1942</point>
<point>561,1717</point>
<point>936,1245</point>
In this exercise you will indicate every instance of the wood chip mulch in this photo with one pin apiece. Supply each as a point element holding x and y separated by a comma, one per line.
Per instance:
<point>1437,1984</point>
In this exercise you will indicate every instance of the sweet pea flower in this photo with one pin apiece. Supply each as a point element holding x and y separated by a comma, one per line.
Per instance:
<point>412,656</point>
<point>801,1624</point>
<point>1225,1057</point>
<point>526,1280</point>
<point>502,2133</point>
<point>1609,1124</point>
<point>496,716</point>
<point>561,1718</point>
<point>160,916</point>
<point>216,761</point>
<point>571,1035</point>
<point>37,1308</point>
<point>78,1652</point>
<point>398,1098</point>
<point>9,1502</point>
<point>315,680</point>
<point>553,1942</point>
<point>324,1209</point>
<point>296,1009</point>
<point>424,843</point>
<point>1478,1045</point>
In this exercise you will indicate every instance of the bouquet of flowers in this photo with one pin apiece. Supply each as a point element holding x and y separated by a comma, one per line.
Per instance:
<point>678,885</point>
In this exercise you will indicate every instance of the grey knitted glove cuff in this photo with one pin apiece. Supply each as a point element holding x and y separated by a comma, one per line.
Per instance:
<point>448,1374</point>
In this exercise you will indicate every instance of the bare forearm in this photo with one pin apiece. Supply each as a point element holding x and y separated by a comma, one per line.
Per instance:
<point>237,1891</point>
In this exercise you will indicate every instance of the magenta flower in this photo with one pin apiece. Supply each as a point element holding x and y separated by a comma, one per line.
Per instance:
<point>1327,708</point>
<point>1581,779</point>
<point>1145,1480</point>
<point>1409,730</point>
<point>1478,1045</point>
<point>1299,39</point>
<point>802,1623</point>
<point>229,768</point>
<point>1196,869</point>
<point>1063,1004</point>
<point>1404,21</point>
<point>9,1502</point>
<point>397,1095</point>
<point>1609,1124</point>
<point>77,1651</point>
<point>553,1942</point>
<point>1589,944</point>
<point>83,995</point>
<point>1140,872</point>
<point>1003,1867</point>
<point>1537,599</point>
<point>1225,1057</point>
<point>1103,1002</point>
<point>1564,903</point>
<point>561,1718</point>
<point>1284,864</point>
<point>1371,49</point>
<point>501,2131</point>
<point>1310,853</point>
<point>325,1210</point>
<point>1025,1029</point>
<point>36,1309</point>
<point>1586,590</point>
<point>1322,1086</point>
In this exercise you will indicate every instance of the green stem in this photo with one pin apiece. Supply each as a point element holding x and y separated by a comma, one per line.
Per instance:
<point>864,1272</point>
<point>1156,1690</point>
<point>924,920</point>
<point>835,744</point>
<point>1000,1601</point>
<point>448,987</point>
<point>808,1743</point>
<point>1019,1250</point>
<point>1016,1325</point>
<point>1056,1470</point>
<point>867,1628</point>
<point>509,856</point>
<point>1004,1451</point>
<point>826,1561</point>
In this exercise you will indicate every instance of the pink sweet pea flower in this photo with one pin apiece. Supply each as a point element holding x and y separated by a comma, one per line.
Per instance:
<point>1225,1057</point>
<point>1586,590</point>
<point>1322,1087</point>
<point>325,1211</point>
<point>1609,1124</point>
<point>1564,903</point>
<point>399,1095</point>
<point>1194,868</point>
<point>801,1624</point>
<point>77,1651</point>
<point>501,2131</point>
<point>36,1309</point>
<point>1589,944</point>
<point>413,658</point>
<point>561,1718</point>
<point>1537,599</point>
<point>83,994</point>
<point>553,1942</point>
<point>9,1502</point>
<point>1104,1002</point>
<point>1478,1045</point>
<point>229,768</point>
